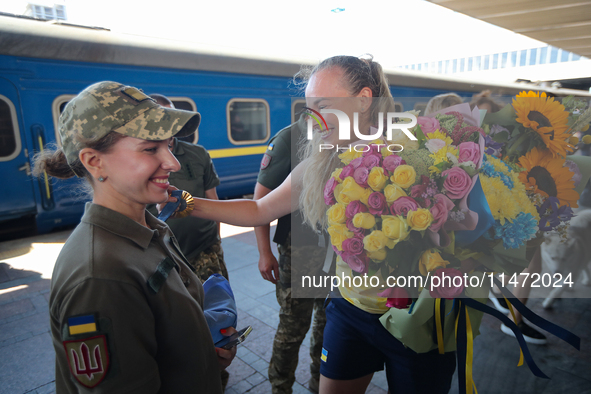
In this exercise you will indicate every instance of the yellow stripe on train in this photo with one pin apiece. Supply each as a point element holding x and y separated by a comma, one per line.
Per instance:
<point>251,150</point>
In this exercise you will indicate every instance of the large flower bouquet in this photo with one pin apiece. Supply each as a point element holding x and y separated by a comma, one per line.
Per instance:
<point>533,137</point>
<point>390,213</point>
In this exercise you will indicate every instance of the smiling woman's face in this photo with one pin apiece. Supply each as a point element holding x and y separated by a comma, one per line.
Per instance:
<point>326,90</point>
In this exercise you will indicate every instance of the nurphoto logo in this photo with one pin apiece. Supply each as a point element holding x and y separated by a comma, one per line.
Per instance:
<point>393,122</point>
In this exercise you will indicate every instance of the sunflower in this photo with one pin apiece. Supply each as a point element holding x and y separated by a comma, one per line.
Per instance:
<point>546,117</point>
<point>548,176</point>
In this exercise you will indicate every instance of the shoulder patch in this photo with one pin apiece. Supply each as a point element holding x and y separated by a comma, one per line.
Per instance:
<point>266,161</point>
<point>88,359</point>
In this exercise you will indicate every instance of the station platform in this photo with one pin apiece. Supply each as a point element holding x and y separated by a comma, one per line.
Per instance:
<point>27,355</point>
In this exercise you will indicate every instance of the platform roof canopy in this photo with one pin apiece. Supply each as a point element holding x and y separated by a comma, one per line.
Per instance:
<point>565,24</point>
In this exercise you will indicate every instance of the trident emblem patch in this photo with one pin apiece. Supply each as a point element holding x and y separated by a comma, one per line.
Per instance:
<point>88,359</point>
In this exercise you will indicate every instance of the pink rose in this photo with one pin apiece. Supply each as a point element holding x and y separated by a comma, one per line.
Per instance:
<point>428,125</point>
<point>457,182</point>
<point>358,263</point>
<point>469,151</point>
<point>397,297</point>
<point>371,161</point>
<point>329,191</point>
<point>358,231</point>
<point>377,203</point>
<point>360,175</point>
<point>354,208</point>
<point>348,171</point>
<point>450,283</point>
<point>440,210</point>
<point>353,245</point>
<point>403,205</point>
<point>391,162</point>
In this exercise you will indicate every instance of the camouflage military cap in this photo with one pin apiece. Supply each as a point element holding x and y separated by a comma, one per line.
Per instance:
<point>110,106</point>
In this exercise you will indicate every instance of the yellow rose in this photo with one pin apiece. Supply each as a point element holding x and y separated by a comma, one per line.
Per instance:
<point>420,219</point>
<point>336,213</point>
<point>336,174</point>
<point>393,192</point>
<point>378,255</point>
<point>430,261</point>
<point>376,179</point>
<point>395,227</point>
<point>364,220</point>
<point>375,241</point>
<point>337,193</point>
<point>338,233</point>
<point>404,176</point>
<point>351,191</point>
<point>365,197</point>
<point>349,155</point>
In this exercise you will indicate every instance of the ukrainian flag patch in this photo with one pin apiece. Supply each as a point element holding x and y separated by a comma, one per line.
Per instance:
<point>324,355</point>
<point>270,146</point>
<point>81,324</point>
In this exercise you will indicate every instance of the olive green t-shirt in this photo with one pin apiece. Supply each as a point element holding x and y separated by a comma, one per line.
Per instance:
<point>126,311</point>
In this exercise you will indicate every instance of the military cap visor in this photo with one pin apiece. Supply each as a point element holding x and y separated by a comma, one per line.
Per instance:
<point>111,106</point>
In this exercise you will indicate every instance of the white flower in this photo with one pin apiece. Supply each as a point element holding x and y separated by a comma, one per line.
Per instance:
<point>434,144</point>
<point>451,157</point>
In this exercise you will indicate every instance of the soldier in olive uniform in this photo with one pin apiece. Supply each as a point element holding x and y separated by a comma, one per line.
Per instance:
<point>126,310</point>
<point>295,313</point>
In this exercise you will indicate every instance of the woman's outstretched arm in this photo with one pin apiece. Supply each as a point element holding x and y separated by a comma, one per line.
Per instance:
<point>248,213</point>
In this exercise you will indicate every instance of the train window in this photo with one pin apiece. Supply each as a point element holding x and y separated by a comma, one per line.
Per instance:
<point>420,106</point>
<point>188,105</point>
<point>248,121</point>
<point>59,103</point>
<point>398,106</point>
<point>10,138</point>
<point>297,107</point>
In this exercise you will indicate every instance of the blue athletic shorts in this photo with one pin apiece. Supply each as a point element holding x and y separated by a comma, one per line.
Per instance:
<point>356,344</point>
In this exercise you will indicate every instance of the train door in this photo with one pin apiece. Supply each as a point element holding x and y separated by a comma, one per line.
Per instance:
<point>16,195</point>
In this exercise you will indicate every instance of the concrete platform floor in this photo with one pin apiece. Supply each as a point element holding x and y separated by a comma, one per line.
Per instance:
<point>27,356</point>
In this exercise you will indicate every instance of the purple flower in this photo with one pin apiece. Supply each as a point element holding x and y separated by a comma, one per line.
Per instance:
<point>360,175</point>
<point>377,203</point>
<point>358,231</point>
<point>358,263</point>
<point>353,245</point>
<point>329,198</point>
<point>354,208</point>
<point>492,148</point>
<point>549,214</point>
<point>391,162</point>
<point>403,205</point>
<point>371,161</point>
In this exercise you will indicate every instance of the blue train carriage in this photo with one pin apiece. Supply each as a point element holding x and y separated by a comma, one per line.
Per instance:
<point>243,100</point>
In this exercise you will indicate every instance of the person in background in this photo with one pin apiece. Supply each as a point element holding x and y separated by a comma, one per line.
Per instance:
<point>483,100</point>
<point>199,239</point>
<point>442,101</point>
<point>356,344</point>
<point>295,313</point>
<point>126,311</point>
